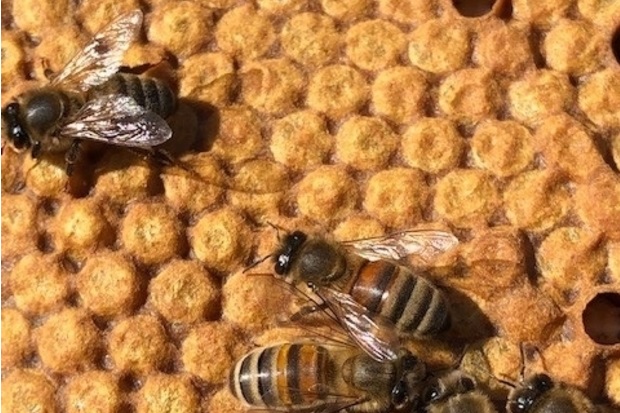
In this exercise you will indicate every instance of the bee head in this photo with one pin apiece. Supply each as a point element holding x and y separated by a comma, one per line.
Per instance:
<point>288,251</point>
<point>524,397</point>
<point>405,394</point>
<point>413,370</point>
<point>16,133</point>
<point>400,396</point>
<point>442,388</point>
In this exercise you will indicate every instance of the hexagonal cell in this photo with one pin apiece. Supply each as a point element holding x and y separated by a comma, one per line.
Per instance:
<point>601,318</point>
<point>351,118</point>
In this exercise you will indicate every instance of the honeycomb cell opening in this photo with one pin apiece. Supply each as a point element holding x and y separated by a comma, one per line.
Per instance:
<point>479,8</point>
<point>601,318</point>
<point>615,44</point>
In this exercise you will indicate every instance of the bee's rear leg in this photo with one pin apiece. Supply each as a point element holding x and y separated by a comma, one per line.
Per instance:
<point>72,155</point>
<point>164,158</point>
<point>159,156</point>
<point>307,310</point>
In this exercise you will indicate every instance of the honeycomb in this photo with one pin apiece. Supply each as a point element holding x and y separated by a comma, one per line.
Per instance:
<point>123,285</point>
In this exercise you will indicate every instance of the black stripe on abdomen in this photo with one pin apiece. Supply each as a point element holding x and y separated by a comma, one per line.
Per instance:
<point>417,306</point>
<point>292,374</point>
<point>402,288</point>
<point>437,317</point>
<point>266,387</point>
<point>136,89</point>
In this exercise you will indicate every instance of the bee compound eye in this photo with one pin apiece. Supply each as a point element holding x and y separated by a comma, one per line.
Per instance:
<point>282,263</point>
<point>19,137</point>
<point>467,384</point>
<point>521,403</point>
<point>12,109</point>
<point>542,382</point>
<point>399,395</point>
<point>515,407</point>
<point>431,394</point>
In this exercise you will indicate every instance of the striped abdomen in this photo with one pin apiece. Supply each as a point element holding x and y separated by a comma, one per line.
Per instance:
<point>148,92</point>
<point>412,303</point>
<point>283,377</point>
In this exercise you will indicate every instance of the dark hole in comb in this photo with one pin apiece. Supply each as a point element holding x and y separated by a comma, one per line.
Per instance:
<point>45,243</point>
<point>615,44</point>
<point>129,383</point>
<point>601,318</point>
<point>478,8</point>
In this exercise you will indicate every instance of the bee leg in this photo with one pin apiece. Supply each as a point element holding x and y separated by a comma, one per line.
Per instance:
<point>164,158</point>
<point>47,70</point>
<point>71,156</point>
<point>308,309</point>
<point>36,150</point>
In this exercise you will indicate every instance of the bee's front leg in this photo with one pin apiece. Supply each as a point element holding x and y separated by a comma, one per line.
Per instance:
<point>72,155</point>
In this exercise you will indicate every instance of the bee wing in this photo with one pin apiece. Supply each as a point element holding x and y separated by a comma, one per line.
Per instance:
<point>342,404</point>
<point>326,400</point>
<point>373,334</point>
<point>102,56</point>
<point>118,120</point>
<point>424,243</point>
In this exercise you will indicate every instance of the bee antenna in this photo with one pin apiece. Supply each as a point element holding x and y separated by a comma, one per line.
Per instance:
<point>526,353</point>
<point>522,369</point>
<point>508,383</point>
<point>459,361</point>
<point>505,381</point>
<point>278,229</point>
<point>256,263</point>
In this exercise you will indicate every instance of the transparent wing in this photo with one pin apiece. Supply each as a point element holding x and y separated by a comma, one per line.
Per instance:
<point>424,243</point>
<point>373,334</point>
<point>102,56</point>
<point>118,120</point>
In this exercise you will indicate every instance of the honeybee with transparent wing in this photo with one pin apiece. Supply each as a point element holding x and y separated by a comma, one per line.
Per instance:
<point>325,377</point>
<point>89,100</point>
<point>362,286</point>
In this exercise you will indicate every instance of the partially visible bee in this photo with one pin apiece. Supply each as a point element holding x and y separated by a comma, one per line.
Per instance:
<point>308,376</point>
<point>455,392</point>
<point>89,100</point>
<point>540,394</point>
<point>374,299</point>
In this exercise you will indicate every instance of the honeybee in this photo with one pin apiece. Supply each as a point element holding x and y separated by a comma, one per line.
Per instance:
<point>374,299</point>
<point>308,376</point>
<point>89,100</point>
<point>540,394</point>
<point>455,392</point>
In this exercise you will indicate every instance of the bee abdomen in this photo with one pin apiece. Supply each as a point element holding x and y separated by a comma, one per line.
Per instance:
<point>425,310</point>
<point>289,375</point>
<point>412,303</point>
<point>149,93</point>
